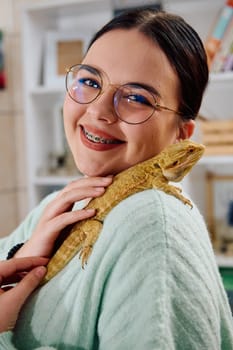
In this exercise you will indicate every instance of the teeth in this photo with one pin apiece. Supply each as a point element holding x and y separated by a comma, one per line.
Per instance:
<point>98,139</point>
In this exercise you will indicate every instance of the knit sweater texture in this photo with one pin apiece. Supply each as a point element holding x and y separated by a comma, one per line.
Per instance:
<point>151,283</point>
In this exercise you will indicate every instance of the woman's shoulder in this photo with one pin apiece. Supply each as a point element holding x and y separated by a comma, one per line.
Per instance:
<point>156,250</point>
<point>157,206</point>
<point>154,229</point>
<point>152,218</point>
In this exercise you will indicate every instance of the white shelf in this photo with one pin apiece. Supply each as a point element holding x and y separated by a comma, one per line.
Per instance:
<point>65,8</point>
<point>43,91</point>
<point>224,76</point>
<point>218,160</point>
<point>45,96</point>
<point>224,261</point>
<point>58,180</point>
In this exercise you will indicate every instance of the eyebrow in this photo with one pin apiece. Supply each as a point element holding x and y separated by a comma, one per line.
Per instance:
<point>146,87</point>
<point>91,69</point>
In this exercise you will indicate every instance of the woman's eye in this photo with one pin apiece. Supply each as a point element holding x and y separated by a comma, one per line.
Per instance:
<point>89,83</point>
<point>139,99</point>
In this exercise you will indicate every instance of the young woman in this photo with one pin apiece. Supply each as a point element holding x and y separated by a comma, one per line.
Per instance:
<point>151,281</point>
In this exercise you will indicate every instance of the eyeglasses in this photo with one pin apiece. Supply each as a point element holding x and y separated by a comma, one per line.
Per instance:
<point>133,102</point>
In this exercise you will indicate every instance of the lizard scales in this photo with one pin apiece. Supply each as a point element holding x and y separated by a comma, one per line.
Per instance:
<point>172,164</point>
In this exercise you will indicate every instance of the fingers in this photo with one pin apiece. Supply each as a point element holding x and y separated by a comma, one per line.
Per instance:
<point>26,286</point>
<point>75,191</point>
<point>67,218</point>
<point>59,210</point>
<point>9,269</point>
<point>12,300</point>
<point>58,215</point>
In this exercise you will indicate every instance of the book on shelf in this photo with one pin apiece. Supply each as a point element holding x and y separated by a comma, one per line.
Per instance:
<point>214,39</point>
<point>228,64</point>
<point>222,60</point>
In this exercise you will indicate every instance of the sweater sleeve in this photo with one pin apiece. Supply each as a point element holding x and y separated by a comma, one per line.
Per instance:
<point>6,343</point>
<point>163,291</point>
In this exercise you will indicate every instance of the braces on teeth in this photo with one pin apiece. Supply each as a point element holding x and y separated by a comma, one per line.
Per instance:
<point>98,139</point>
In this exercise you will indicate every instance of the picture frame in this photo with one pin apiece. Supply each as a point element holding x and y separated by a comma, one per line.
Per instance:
<point>219,195</point>
<point>62,50</point>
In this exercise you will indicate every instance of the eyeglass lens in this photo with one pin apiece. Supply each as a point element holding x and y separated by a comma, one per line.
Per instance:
<point>133,103</point>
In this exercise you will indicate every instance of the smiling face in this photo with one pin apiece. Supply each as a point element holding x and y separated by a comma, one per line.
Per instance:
<point>101,143</point>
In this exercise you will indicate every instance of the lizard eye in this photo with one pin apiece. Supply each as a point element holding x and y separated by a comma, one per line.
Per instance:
<point>175,163</point>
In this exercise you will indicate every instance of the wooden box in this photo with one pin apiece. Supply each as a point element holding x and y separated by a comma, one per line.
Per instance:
<point>217,136</point>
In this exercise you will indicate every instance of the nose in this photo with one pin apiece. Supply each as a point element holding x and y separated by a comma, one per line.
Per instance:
<point>103,107</point>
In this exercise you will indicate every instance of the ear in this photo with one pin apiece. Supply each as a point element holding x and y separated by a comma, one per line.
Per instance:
<point>186,129</point>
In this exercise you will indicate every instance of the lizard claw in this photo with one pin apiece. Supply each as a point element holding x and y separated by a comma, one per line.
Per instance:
<point>84,254</point>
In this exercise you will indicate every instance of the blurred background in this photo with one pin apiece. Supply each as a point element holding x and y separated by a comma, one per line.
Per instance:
<point>39,40</point>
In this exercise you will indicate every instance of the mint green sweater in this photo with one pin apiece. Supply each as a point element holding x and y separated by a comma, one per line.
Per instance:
<point>150,283</point>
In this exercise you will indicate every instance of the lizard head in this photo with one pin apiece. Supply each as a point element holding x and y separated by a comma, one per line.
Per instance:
<point>177,159</point>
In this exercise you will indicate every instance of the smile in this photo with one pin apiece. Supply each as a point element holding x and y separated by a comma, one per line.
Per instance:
<point>98,139</point>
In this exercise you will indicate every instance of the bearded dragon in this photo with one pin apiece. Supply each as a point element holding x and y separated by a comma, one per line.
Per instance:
<point>171,164</point>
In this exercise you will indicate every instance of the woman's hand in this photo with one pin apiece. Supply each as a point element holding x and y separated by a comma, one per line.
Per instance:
<point>29,271</point>
<point>58,215</point>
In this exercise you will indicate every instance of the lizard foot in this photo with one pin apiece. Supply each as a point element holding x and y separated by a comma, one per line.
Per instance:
<point>84,254</point>
<point>186,201</point>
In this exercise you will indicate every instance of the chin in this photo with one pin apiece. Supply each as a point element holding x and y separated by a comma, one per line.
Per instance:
<point>89,170</point>
<point>92,169</point>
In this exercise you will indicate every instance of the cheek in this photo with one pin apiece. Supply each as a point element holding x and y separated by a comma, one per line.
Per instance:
<point>66,103</point>
<point>156,135</point>
<point>144,139</point>
<point>72,112</point>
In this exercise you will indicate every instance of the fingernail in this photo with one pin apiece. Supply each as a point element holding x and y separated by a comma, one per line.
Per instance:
<point>91,211</point>
<point>40,271</point>
<point>99,189</point>
<point>107,179</point>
